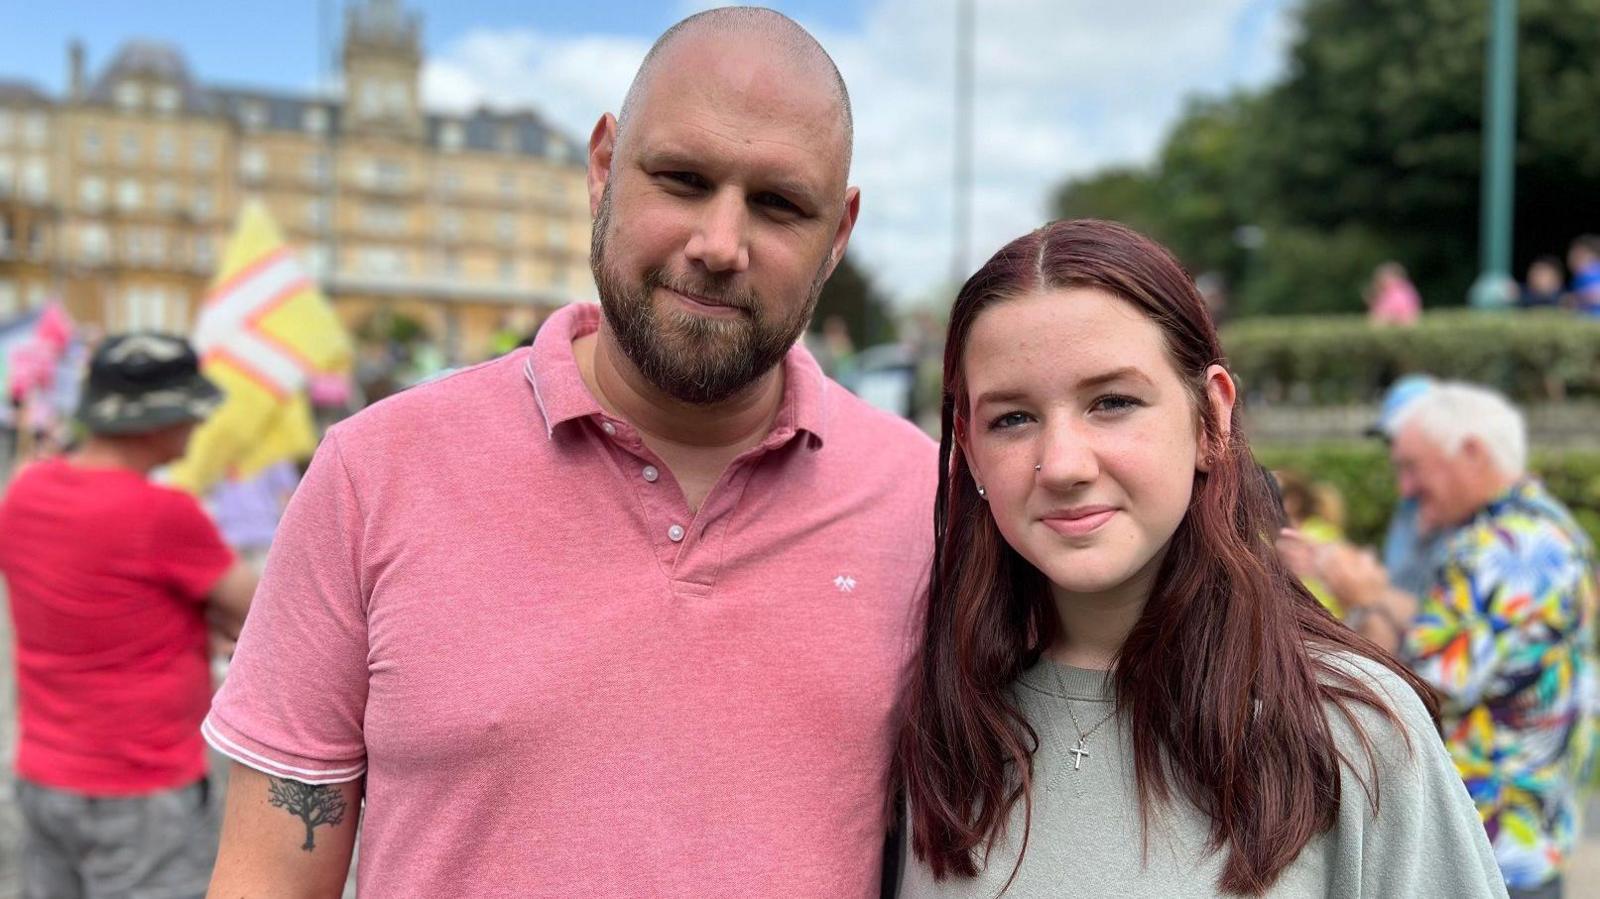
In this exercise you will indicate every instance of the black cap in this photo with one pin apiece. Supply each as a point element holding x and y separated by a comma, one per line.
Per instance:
<point>144,382</point>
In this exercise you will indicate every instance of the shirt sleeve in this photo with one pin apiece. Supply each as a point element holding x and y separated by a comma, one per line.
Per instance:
<point>1488,609</point>
<point>295,696</point>
<point>1426,839</point>
<point>192,552</point>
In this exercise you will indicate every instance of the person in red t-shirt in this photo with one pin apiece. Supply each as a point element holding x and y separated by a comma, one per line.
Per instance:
<point>114,583</point>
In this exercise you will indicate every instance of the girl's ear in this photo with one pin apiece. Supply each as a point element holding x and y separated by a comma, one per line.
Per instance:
<point>1220,394</point>
<point>964,442</point>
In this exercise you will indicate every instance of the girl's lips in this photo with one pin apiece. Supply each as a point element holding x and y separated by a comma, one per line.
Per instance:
<point>1079,525</point>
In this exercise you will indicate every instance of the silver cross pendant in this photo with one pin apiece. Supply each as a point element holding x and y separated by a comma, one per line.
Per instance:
<point>1079,754</point>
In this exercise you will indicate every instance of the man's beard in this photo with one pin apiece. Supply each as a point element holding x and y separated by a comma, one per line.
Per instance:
<point>694,359</point>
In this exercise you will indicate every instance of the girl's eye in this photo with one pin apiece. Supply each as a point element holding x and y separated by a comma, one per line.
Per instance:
<point>1115,403</point>
<point>1009,420</point>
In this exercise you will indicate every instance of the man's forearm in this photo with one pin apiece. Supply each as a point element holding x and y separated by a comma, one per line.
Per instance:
<point>1386,618</point>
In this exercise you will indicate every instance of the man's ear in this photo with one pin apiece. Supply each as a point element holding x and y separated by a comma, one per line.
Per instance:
<point>847,224</point>
<point>602,147</point>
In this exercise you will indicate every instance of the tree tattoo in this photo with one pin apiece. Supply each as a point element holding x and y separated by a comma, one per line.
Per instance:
<point>315,806</point>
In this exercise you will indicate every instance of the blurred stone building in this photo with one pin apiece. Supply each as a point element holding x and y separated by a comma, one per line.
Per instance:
<point>119,197</point>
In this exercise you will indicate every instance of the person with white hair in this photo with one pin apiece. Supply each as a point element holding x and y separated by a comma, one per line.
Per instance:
<point>1504,629</point>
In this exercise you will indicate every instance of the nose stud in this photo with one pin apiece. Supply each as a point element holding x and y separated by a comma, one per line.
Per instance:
<point>1039,467</point>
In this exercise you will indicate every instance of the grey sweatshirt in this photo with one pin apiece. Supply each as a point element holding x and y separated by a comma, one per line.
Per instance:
<point>1426,840</point>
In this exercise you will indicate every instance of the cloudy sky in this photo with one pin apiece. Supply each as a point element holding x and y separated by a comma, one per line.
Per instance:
<point>1062,86</point>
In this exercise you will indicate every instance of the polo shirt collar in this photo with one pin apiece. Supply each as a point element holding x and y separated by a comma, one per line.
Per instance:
<point>551,371</point>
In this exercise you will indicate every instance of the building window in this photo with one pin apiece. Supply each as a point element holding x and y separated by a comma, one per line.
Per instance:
<point>166,150</point>
<point>555,146</point>
<point>315,119</point>
<point>450,136</point>
<point>381,174</point>
<point>391,175</point>
<point>128,148</point>
<point>7,175</point>
<point>317,215</point>
<point>505,228</point>
<point>203,203</point>
<point>317,168</point>
<point>129,95</point>
<point>252,164</point>
<point>452,264</point>
<point>203,252</point>
<point>508,269</point>
<point>129,195</point>
<point>382,261</point>
<point>166,98</point>
<point>6,126</point>
<point>92,243</point>
<point>450,226</point>
<point>8,297</point>
<point>92,194</point>
<point>508,139</point>
<point>555,234</point>
<point>508,185</point>
<point>383,219</point>
<point>144,246</point>
<point>204,152</point>
<point>35,179</point>
<point>166,196</point>
<point>449,183</point>
<point>91,145</point>
<point>253,115</point>
<point>35,130</point>
<point>145,309</point>
<point>317,258</point>
<point>371,99</point>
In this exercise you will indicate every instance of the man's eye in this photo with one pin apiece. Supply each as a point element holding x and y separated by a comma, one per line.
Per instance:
<point>686,179</point>
<point>774,201</point>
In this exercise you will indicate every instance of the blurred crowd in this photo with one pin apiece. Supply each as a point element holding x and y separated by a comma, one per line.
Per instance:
<point>1392,299</point>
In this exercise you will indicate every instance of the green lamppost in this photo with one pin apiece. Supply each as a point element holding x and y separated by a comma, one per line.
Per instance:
<point>1494,287</point>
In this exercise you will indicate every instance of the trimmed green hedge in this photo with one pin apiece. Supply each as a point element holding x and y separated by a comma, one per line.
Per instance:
<point>1362,474</point>
<point>1314,360</point>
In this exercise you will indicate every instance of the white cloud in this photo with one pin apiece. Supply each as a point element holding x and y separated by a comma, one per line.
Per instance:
<point>1063,87</point>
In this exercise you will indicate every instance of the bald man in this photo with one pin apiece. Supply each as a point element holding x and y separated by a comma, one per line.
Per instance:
<point>624,613</point>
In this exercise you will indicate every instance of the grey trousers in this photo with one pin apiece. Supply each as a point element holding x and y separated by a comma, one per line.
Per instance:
<point>159,846</point>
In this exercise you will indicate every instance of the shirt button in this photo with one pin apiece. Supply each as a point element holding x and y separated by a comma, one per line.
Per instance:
<point>675,533</point>
<point>609,428</point>
<point>650,473</point>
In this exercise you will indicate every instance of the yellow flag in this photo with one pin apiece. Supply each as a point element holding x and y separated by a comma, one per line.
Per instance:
<point>264,330</point>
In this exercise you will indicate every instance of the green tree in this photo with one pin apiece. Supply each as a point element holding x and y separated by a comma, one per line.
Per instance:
<point>850,294</point>
<point>1378,125</point>
<point>1123,194</point>
<point>1368,149</point>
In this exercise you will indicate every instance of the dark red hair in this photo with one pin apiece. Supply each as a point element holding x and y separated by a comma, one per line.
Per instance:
<point>1224,679</point>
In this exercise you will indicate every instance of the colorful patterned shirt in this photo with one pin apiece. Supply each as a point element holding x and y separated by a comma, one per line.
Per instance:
<point>1505,634</point>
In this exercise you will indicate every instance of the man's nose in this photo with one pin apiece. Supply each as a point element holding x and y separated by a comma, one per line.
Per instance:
<point>720,242</point>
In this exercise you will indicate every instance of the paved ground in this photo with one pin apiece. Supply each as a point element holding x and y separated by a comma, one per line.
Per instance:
<point>1583,881</point>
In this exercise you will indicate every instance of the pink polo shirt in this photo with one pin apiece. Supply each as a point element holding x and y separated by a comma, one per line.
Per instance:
<point>492,599</point>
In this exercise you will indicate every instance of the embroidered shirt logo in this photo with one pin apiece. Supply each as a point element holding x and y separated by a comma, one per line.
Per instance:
<point>845,583</point>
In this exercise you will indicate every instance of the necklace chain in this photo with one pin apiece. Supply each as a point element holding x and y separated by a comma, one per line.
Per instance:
<point>1083,736</point>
